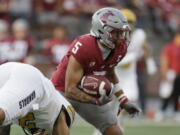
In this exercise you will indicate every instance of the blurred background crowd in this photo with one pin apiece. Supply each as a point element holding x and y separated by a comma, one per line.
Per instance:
<point>39,32</point>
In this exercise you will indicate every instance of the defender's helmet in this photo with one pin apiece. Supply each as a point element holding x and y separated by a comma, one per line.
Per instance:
<point>131,17</point>
<point>109,25</point>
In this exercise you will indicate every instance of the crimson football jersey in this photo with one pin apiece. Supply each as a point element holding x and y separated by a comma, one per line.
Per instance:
<point>86,51</point>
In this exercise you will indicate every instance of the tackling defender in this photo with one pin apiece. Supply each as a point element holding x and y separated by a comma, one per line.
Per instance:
<point>96,53</point>
<point>29,99</point>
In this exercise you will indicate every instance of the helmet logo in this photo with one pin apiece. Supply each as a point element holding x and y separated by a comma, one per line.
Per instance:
<point>105,17</point>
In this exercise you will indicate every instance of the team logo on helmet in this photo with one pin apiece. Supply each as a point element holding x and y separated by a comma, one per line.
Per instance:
<point>105,17</point>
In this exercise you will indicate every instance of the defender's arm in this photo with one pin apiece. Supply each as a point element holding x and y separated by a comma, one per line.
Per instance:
<point>60,126</point>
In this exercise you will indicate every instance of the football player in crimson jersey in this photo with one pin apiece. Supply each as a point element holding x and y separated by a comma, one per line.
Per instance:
<point>96,53</point>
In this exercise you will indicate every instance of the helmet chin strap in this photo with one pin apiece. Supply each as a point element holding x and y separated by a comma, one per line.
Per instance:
<point>106,45</point>
<point>100,43</point>
<point>105,51</point>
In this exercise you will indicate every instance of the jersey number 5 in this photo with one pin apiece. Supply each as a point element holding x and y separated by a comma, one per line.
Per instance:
<point>76,47</point>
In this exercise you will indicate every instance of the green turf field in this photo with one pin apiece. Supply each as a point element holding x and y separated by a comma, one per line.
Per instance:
<point>136,127</point>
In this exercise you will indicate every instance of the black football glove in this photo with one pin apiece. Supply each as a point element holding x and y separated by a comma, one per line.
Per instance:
<point>131,108</point>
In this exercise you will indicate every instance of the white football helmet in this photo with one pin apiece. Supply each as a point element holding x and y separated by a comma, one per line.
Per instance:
<point>109,25</point>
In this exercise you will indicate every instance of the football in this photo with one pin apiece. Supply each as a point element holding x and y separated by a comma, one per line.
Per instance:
<point>96,85</point>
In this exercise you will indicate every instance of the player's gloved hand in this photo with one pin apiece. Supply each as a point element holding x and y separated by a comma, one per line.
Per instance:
<point>130,107</point>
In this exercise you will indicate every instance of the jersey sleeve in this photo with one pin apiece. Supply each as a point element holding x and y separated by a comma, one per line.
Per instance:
<point>80,52</point>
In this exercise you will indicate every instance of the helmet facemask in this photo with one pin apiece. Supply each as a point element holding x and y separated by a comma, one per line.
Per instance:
<point>116,36</point>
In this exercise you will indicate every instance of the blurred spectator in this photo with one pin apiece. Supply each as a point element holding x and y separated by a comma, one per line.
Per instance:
<point>90,6</point>
<point>21,9</point>
<point>57,46</point>
<point>164,14</point>
<point>47,11</point>
<point>170,74</point>
<point>71,7</point>
<point>71,17</point>
<point>19,45</point>
<point>145,66</point>
<point>3,30</point>
<point>173,20</point>
<point>4,9</point>
<point>4,41</point>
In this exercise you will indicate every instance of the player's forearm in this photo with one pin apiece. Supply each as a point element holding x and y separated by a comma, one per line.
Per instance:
<point>111,76</point>
<point>117,90</point>
<point>76,94</point>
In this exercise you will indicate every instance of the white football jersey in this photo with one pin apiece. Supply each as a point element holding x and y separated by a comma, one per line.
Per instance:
<point>30,99</point>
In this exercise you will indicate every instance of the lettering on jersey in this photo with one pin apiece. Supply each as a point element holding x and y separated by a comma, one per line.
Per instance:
<point>91,64</point>
<point>119,58</point>
<point>27,100</point>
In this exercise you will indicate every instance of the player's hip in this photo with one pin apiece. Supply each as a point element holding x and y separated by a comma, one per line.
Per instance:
<point>99,116</point>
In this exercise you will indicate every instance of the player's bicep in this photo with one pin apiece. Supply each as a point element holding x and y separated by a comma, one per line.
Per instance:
<point>74,73</point>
